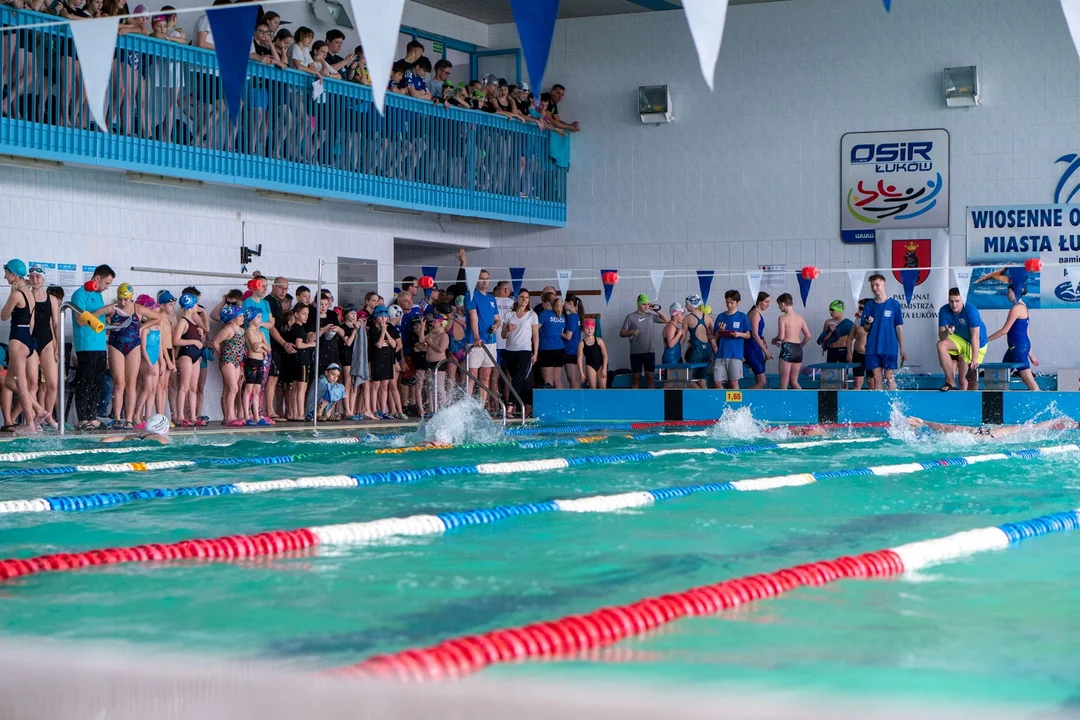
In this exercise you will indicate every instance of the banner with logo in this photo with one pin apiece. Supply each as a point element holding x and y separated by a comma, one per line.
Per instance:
<point>912,252</point>
<point>1004,236</point>
<point>893,180</point>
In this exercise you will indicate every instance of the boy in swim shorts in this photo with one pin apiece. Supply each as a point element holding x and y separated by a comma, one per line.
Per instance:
<point>856,345</point>
<point>792,335</point>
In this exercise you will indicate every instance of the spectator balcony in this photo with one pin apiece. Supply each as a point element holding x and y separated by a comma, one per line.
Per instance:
<point>167,117</point>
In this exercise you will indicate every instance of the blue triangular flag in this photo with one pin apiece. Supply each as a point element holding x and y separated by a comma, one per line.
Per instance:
<point>909,278</point>
<point>535,21</point>
<point>804,287</point>
<point>516,276</point>
<point>233,28</point>
<point>704,278</point>
<point>1017,280</point>
<point>607,288</point>
<point>888,5</point>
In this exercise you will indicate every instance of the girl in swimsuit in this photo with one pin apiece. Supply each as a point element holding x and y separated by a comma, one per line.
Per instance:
<point>21,346</point>
<point>592,356</point>
<point>166,389</point>
<point>757,350</point>
<point>457,338</point>
<point>46,317</point>
<point>1016,329</point>
<point>150,368</point>
<point>229,347</point>
<point>188,340</point>
<point>674,332</point>
<point>700,348</point>
<point>124,358</point>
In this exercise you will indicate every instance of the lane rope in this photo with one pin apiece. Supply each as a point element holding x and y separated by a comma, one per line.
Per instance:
<point>89,501</point>
<point>363,532</point>
<point>574,634</point>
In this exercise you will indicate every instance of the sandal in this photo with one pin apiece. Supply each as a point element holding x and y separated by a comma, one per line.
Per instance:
<point>947,387</point>
<point>8,428</point>
<point>201,422</point>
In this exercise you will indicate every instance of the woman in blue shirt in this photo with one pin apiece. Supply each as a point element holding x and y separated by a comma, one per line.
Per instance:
<point>572,312</point>
<point>552,343</point>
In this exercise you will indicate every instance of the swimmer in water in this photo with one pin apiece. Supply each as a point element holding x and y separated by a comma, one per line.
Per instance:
<point>994,431</point>
<point>157,430</point>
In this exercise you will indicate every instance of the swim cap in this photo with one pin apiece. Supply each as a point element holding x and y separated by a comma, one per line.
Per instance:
<point>230,313</point>
<point>146,301</point>
<point>459,301</point>
<point>837,305</point>
<point>380,311</point>
<point>252,312</point>
<point>188,301</point>
<point>589,323</point>
<point>693,301</point>
<point>706,309</point>
<point>157,425</point>
<point>395,312</point>
<point>164,296</point>
<point>643,299</point>
<point>16,267</point>
<point>37,269</point>
<point>677,308</point>
<point>125,291</point>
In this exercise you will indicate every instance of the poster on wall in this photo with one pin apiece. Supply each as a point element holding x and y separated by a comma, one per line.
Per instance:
<point>895,180</point>
<point>928,251</point>
<point>1001,237</point>
<point>773,278</point>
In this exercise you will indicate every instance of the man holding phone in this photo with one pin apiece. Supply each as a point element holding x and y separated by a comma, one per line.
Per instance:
<point>640,327</point>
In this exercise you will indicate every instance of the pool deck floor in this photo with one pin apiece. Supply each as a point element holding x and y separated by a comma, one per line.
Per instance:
<point>216,428</point>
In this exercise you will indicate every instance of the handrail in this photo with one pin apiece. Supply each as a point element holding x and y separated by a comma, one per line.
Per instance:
<point>472,377</point>
<point>506,379</point>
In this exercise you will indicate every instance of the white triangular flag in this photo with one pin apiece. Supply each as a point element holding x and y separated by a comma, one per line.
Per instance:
<point>472,274</point>
<point>95,46</point>
<point>1071,8</point>
<point>380,27</point>
<point>657,277</point>
<point>856,278</point>
<point>963,280</point>
<point>753,277</point>
<point>706,20</point>
<point>564,280</point>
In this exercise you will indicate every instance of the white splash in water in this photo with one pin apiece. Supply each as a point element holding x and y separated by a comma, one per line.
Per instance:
<point>739,424</point>
<point>463,422</point>
<point>901,429</point>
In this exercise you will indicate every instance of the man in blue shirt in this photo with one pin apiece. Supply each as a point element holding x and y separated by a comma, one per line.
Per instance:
<point>884,336</point>
<point>961,341</point>
<point>730,332</point>
<point>90,346</point>
<point>483,324</point>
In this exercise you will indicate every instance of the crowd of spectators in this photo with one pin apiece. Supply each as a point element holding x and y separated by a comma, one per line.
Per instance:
<point>297,106</point>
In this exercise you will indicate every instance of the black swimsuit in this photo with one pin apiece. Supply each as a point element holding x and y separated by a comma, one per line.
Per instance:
<point>594,357</point>
<point>43,323</point>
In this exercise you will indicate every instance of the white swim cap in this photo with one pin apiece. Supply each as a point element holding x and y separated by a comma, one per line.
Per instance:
<point>395,312</point>
<point>158,425</point>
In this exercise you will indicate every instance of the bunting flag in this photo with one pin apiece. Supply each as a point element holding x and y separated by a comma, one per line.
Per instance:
<point>379,29</point>
<point>753,279</point>
<point>607,287</point>
<point>1017,279</point>
<point>706,20</point>
<point>963,280</point>
<point>856,278</point>
<point>472,274</point>
<point>657,277</point>
<point>233,28</point>
<point>516,276</point>
<point>704,278</point>
<point>535,20</point>
<point>909,278</point>
<point>1071,8</point>
<point>564,281</point>
<point>804,287</point>
<point>95,46</point>
<point>888,5</point>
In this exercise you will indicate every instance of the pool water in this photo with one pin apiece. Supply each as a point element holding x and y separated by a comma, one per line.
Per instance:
<point>998,626</point>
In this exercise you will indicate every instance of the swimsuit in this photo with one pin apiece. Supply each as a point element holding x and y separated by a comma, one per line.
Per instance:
<point>594,357</point>
<point>127,338</point>
<point>253,371</point>
<point>191,352</point>
<point>755,356</point>
<point>1019,344</point>
<point>153,346</point>
<point>232,350</point>
<point>20,325</point>
<point>700,351</point>
<point>672,355</point>
<point>791,352</point>
<point>457,347</point>
<point>43,323</point>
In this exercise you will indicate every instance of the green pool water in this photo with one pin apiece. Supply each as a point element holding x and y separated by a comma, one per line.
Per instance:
<point>999,626</point>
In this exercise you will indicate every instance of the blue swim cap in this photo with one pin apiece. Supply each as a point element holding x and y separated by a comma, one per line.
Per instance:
<point>380,311</point>
<point>251,312</point>
<point>230,313</point>
<point>188,301</point>
<point>164,296</point>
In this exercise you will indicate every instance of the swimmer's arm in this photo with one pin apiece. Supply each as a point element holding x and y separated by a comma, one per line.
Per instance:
<point>850,345</point>
<point>823,338</point>
<point>756,337</point>
<point>223,334</point>
<point>805,333</point>
<point>1031,357</point>
<point>9,306</point>
<point>1009,320</point>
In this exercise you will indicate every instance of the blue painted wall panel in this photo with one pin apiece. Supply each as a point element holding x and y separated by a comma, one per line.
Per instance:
<point>793,406</point>
<point>1021,407</point>
<point>870,406</point>
<point>593,405</point>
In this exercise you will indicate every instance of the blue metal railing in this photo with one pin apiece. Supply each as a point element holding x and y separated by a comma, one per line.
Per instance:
<point>167,116</point>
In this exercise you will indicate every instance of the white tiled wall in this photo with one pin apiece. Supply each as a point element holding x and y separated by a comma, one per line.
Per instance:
<point>748,174</point>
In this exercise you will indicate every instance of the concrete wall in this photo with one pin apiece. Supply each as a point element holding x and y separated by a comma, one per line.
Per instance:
<point>749,174</point>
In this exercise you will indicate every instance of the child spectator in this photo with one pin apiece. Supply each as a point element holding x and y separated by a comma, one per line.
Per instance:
<point>257,348</point>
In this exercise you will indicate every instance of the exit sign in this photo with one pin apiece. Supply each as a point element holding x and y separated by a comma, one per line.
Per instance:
<point>438,47</point>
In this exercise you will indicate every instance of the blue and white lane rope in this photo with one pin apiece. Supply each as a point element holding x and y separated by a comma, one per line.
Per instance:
<point>362,532</point>
<point>88,501</point>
